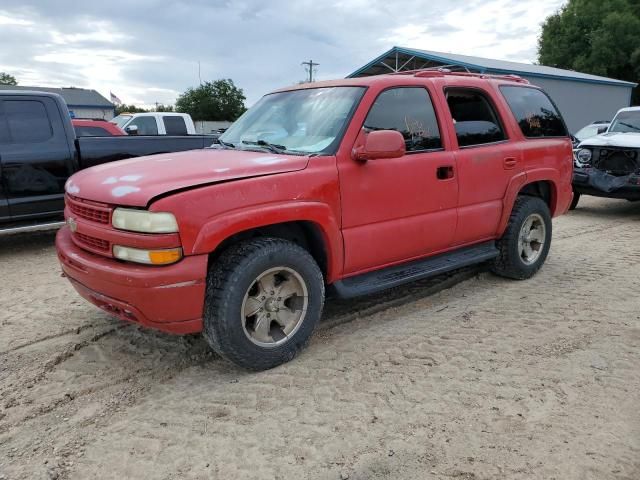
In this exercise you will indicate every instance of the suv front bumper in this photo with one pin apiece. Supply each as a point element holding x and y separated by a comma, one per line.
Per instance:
<point>169,298</point>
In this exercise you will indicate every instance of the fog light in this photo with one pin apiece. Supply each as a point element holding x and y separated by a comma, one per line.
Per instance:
<point>149,257</point>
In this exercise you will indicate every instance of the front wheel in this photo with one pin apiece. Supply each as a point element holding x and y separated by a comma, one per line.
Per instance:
<point>526,241</point>
<point>264,299</point>
<point>574,202</point>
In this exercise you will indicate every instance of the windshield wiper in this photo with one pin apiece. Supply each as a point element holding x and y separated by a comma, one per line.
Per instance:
<point>225,144</point>
<point>269,146</point>
<point>629,125</point>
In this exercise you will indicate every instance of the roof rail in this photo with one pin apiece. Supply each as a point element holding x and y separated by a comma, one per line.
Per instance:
<point>443,70</point>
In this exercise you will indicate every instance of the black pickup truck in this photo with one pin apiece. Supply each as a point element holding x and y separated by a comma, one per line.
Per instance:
<point>39,151</point>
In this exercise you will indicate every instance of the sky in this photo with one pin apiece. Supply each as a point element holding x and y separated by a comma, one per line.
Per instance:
<point>147,51</point>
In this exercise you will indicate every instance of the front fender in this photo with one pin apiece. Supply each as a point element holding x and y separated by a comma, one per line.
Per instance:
<point>223,226</point>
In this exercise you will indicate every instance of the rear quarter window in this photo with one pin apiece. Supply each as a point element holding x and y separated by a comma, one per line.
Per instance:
<point>534,111</point>
<point>174,125</point>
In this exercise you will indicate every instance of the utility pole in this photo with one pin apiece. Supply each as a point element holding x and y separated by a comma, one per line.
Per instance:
<point>309,68</point>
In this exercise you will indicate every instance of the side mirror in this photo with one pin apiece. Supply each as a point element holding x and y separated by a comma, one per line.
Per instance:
<point>132,129</point>
<point>602,130</point>
<point>380,144</point>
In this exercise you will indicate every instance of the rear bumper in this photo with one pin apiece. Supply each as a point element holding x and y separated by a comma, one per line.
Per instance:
<point>169,298</point>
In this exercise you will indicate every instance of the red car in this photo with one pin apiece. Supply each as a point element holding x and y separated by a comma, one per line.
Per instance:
<point>95,128</point>
<point>352,185</point>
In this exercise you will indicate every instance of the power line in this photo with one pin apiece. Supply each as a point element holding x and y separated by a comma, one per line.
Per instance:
<point>309,68</point>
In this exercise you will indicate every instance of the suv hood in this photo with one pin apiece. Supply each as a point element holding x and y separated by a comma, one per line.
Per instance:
<point>135,182</point>
<point>613,139</point>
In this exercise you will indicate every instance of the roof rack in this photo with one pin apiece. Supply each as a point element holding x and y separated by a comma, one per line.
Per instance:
<point>443,70</point>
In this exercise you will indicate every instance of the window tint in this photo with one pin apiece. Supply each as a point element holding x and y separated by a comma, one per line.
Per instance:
<point>174,125</point>
<point>410,112</point>
<point>91,132</point>
<point>474,118</point>
<point>28,121</point>
<point>536,115</point>
<point>146,125</point>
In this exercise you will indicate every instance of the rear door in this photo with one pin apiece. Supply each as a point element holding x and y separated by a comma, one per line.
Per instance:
<point>35,156</point>
<point>486,160</point>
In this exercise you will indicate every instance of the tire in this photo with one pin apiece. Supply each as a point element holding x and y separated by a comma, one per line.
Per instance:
<point>574,202</point>
<point>236,283</point>
<point>513,261</point>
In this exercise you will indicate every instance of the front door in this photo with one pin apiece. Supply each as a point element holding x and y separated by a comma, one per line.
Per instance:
<point>35,157</point>
<point>394,210</point>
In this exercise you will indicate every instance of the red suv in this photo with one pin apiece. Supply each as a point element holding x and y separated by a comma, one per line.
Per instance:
<point>351,185</point>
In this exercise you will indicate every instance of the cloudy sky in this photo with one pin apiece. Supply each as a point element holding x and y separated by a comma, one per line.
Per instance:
<point>147,51</point>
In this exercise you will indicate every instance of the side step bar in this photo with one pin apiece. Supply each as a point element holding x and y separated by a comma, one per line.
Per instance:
<point>36,227</point>
<point>373,282</point>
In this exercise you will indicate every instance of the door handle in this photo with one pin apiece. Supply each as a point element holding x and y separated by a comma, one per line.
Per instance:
<point>509,163</point>
<point>444,172</point>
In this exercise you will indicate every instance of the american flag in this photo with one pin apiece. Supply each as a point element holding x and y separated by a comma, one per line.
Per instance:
<point>115,99</point>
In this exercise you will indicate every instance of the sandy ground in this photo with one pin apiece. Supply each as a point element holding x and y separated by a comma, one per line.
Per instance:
<point>465,377</point>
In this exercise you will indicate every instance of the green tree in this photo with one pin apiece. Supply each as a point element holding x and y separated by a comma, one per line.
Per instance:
<point>601,37</point>
<point>218,100</point>
<point>123,108</point>
<point>163,108</point>
<point>6,79</point>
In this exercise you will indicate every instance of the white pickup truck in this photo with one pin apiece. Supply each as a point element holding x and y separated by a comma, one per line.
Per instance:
<point>156,123</point>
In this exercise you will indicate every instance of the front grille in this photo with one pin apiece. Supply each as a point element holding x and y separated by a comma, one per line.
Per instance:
<point>89,211</point>
<point>92,243</point>
<point>616,161</point>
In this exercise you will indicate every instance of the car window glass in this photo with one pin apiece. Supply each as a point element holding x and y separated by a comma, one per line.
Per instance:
<point>475,119</point>
<point>410,112</point>
<point>146,125</point>
<point>536,115</point>
<point>174,125</point>
<point>91,132</point>
<point>27,121</point>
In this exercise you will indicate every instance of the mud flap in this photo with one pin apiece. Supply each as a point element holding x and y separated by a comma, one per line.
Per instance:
<point>606,182</point>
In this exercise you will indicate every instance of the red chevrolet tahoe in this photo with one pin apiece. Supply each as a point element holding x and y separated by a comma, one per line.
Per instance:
<point>352,185</point>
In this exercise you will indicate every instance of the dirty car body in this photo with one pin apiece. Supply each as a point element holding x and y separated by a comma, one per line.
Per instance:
<point>341,184</point>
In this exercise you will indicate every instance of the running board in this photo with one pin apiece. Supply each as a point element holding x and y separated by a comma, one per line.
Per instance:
<point>373,282</point>
<point>36,227</point>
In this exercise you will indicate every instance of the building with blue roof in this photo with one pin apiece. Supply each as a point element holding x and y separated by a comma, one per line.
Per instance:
<point>582,98</point>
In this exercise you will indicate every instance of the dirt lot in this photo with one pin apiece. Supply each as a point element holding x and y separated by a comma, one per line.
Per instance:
<point>467,377</point>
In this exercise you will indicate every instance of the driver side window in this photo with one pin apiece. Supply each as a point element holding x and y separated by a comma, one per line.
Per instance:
<point>407,110</point>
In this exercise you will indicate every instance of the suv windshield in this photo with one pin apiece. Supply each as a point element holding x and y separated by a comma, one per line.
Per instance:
<point>298,121</point>
<point>626,122</point>
<point>120,120</point>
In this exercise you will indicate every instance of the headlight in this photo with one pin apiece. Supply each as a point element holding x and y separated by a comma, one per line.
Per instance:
<point>150,257</point>
<point>144,221</point>
<point>584,156</point>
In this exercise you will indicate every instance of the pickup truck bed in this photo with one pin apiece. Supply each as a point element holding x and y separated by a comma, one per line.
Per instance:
<point>39,152</point>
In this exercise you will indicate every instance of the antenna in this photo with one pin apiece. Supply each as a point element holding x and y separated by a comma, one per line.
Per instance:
<point>309,68</point>
<point>199,76</point>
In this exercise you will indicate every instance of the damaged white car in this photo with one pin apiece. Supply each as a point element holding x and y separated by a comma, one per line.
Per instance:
<point>608,165</point>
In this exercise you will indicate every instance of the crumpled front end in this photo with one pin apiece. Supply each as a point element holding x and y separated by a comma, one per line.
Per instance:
<point>607,172</point>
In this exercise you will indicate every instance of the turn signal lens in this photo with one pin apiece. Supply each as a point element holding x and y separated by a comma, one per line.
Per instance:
<point>149,257</point>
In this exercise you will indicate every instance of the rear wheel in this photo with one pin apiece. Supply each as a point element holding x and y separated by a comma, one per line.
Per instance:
<point>264,299</point>
<point>525,244</point>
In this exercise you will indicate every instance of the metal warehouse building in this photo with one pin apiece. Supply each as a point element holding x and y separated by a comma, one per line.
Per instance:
<point>82,103</point>
<point>582,98</point>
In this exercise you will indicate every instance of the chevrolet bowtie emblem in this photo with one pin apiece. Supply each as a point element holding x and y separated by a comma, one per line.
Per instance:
<point>72,224</point>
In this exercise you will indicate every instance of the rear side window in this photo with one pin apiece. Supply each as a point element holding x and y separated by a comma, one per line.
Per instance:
<point>536,115</point>
<point>27,121</point>
<point>474,117</point>
<point>174,125</point>
<point>91,132</point>
<point>410,112</point>
<point>146,125</point>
